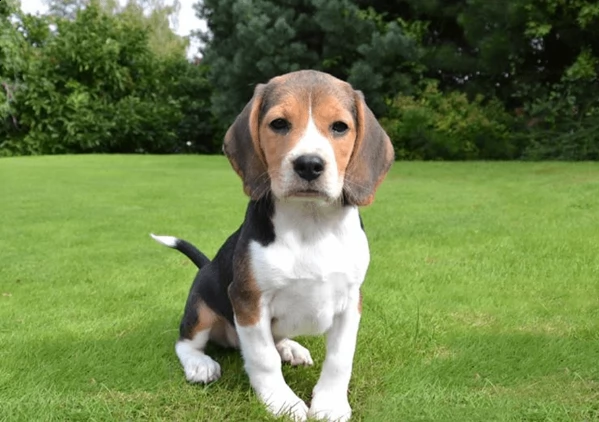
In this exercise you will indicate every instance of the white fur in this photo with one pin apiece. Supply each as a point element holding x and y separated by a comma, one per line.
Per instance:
<point>311,142</point>
<point>309,278</point>
<point>198,366</point>
<point>330,407</point>
<point>169,241</point>
<point>329,397</point>
<point>314,268</point>
<point>263,365</point>
<point>294,353</point>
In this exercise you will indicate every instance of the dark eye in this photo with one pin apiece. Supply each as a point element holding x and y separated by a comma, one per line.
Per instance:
<point>280,125</point>
<point>339,128</point>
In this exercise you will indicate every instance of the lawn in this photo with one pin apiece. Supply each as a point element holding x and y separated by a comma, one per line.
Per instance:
<point>481,302</point>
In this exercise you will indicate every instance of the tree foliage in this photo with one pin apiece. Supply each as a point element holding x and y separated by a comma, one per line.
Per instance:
<point>539,58</point>
<point>93,82</point>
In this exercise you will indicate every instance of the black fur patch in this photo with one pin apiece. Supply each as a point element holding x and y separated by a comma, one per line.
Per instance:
<point>211,284</point>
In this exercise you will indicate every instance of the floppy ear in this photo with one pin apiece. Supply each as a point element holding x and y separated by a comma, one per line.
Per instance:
<point>242,148</point>
<point>371,158</point>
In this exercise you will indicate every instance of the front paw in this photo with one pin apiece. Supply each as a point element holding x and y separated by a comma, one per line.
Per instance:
<point>294,353</point>
<point>282,401</point>
<point>330,407</point>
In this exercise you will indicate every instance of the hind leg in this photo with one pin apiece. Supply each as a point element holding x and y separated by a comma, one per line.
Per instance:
<point>224,334</point>
<point>198,322</point>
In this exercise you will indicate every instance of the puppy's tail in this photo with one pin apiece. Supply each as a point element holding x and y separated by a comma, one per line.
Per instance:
<point>185,248</point>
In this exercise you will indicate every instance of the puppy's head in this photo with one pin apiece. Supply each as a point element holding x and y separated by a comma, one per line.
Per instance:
<point>309,136</point>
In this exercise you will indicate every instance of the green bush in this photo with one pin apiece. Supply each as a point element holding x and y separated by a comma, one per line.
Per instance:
<point>198,130</point>
<point>563,122</point>
<point>448,126</point>
<point>94,85</point>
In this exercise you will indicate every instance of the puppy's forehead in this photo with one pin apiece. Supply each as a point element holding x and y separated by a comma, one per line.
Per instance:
<point>309,88</point>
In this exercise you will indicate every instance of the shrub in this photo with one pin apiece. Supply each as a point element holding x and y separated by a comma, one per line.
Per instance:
<point>563,123</point>
<point>438,126</point>
<point>94,85</point>
<point>197,130</point>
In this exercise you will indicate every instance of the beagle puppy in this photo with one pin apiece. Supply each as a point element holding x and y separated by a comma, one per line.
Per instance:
<point>309,152</point>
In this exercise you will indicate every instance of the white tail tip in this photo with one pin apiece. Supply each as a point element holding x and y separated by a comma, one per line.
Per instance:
<point>169,241</point>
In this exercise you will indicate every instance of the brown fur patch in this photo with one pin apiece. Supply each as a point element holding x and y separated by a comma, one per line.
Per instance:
<point>221,331</point>
<point>242,149</point>
<point>371,159</point>
<point>206,318</point>
<point>244,294</point>
<point>224,334</point>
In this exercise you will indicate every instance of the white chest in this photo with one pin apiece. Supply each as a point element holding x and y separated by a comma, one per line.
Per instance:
<point>312,271</point>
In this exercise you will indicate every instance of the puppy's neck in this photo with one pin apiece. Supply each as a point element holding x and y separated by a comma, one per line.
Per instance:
<point>312,217</point>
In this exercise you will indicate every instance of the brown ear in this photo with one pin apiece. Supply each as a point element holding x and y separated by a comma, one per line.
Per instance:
<point>371,158</point>
<point>242,148</point>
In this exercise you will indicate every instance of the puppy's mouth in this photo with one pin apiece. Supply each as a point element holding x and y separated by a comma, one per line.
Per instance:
<point>307,193</point>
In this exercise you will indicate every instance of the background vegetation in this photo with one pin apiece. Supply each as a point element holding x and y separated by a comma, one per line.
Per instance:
<point>465,79</point>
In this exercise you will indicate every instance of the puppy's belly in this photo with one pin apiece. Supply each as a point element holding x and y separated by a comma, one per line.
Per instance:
<point>307,307</point>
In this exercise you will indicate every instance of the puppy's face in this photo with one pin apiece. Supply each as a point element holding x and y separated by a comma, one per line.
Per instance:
<point>309,136</point>
<point>307,132</point>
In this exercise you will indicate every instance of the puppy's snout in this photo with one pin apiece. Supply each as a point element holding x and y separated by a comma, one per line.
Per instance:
<point>309,167</point>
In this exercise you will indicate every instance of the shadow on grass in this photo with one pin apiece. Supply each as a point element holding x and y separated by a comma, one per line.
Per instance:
<point>142,356</point>
<point>142,359</point>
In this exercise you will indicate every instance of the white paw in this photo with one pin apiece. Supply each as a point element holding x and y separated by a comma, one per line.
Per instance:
<point>282,401</point>
<point>294,353</point>
<point>330,407</point>
<point>199,367</point>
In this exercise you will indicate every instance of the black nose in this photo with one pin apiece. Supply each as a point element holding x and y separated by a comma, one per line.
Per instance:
<point>308,167</point>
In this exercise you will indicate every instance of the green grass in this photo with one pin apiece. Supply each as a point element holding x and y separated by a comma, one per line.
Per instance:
<point>481,302</point>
